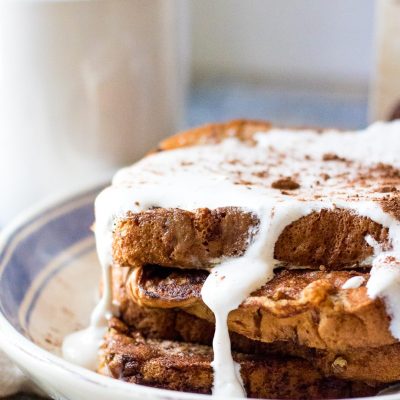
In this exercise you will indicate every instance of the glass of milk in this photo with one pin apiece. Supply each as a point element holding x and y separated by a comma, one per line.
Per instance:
<point>85,87</point>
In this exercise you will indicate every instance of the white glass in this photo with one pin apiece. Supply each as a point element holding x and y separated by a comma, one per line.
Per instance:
<point>385,80</point>
<point>85,87</point>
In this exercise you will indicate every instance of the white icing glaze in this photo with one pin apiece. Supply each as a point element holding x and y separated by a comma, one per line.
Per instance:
<point>82,347</point>
<point>232,281</point>
<point>384,282</point>
<point>353,283</point>
<point>232,173</point>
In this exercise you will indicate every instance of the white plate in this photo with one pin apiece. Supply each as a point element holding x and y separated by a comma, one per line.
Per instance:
<point>49,277</point>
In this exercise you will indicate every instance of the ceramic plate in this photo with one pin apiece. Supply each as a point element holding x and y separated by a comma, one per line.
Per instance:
<point>49,278</point>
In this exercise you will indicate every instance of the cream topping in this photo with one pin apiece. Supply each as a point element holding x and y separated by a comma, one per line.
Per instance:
<point>353,283</point>
<point>281,177</point>
<point>384,282</point>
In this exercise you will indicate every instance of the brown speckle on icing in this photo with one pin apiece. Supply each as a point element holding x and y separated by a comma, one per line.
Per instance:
<point>325,176</point>
<point>243,182</point>
<point>386,171</point>
<point>260,174</point>
<point>332,157</point>
<point>387,189</point>
<point>285,184</point>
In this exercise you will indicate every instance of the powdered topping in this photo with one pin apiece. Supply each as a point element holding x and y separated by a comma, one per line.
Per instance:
<point>286,184</point>
<point>384,282</point>
<point>320,171</point>
<point>286,160</point>
<point>332,157</point>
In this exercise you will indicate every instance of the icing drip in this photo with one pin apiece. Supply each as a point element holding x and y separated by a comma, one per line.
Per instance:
<point>231,282</point>
<point>384,282</point>
<point>282,177</point>
<point>353,283</point>
<point>82,347</point>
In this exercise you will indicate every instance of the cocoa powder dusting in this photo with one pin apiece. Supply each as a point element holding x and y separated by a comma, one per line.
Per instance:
<point>285,184</point>
<point>391,205</point>
<point>385,171</point>
<point>260,174</point>
<point>325,176</point>
<point>387,189</point>
<point>332,157</point>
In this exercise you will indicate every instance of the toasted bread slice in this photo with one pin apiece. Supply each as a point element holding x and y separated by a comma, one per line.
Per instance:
<point>199,239</point>
<point>334,238</point>
<point>128,356</point>
<point>308,307</point>
<point>378,364</point>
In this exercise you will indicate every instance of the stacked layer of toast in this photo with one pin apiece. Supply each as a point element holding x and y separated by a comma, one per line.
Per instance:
<point>171,348</point>
<point>304,334</point>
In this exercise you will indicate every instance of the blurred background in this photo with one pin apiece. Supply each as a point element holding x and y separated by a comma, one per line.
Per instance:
<point>89,86</point>
<point>295,62</point>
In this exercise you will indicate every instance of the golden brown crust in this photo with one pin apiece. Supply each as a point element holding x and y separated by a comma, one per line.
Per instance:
<point>127,355</point>
<point>199,239</point>
<point>381,364</point>
<point>333,238</point>
<point>300,327</point>
<point>173,237</point>
<point>391,205</point>
<point>213,133</point>
<point>307,307</point>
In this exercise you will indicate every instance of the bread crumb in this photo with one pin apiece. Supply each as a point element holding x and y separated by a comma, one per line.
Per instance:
<point>339,362</point>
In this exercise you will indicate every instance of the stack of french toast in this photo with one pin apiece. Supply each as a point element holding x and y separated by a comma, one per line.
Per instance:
<point>321,327</point>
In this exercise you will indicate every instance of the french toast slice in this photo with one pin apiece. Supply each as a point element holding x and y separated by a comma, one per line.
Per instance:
<point>316,218</point>
<point>308,307</point>
<point>200,238</point>
<point>127,355</point>
<point>373,364</point>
